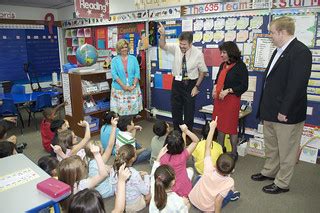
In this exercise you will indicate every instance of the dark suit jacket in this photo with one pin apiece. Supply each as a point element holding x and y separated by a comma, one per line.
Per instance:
<point>236,78</point>
<point>285,88</point>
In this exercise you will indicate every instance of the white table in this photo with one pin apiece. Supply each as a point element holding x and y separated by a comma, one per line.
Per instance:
<point>24,197</point>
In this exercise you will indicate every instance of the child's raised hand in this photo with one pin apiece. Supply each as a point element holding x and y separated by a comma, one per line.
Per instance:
<point>83,123</point>
<point>163,151</point>
<point>114,122</point>
<point>12,139</point>
<point>138,127</point>
<point>213,123</point>
<point>124,173</point>
<point>94,149</point>
<point>183,127</point>
<point>161,29</point>
<point>56,148</point>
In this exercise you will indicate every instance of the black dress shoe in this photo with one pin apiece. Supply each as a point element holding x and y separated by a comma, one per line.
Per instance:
<point>273,189</point>
<point>260,177</point>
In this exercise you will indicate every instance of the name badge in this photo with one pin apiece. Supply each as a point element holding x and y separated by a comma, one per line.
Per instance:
<point>178,78</point>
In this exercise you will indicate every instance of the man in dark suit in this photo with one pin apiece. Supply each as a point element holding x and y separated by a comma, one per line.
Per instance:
<point>283,105</point>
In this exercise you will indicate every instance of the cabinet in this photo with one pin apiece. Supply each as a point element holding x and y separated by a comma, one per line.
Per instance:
<point>78,95</point>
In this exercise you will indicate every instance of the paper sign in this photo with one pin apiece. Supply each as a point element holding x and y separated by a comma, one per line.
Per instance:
<point>92,9</point>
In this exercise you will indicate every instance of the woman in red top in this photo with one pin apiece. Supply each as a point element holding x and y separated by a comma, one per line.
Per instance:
<point>230,84</point>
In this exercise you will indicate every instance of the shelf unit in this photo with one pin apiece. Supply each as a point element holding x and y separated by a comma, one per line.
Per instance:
<point>77,96</point>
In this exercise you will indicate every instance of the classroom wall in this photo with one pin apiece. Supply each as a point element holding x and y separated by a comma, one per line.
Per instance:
<point>29,13</point>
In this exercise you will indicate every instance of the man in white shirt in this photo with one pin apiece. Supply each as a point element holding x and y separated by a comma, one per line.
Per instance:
<point>283,105</point>
<point>188,70</point>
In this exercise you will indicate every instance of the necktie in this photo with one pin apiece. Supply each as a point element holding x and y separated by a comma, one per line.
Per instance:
<point>184,67</point>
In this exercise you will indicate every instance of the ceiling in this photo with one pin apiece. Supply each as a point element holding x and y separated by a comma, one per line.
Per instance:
<point>50,4</point>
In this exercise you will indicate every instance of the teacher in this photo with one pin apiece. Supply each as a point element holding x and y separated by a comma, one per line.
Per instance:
<point>126,98</point>
<point>230,84</point>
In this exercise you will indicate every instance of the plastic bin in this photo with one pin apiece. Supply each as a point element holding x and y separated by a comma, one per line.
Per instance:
<point>93,123</point>
<point>103,105</point>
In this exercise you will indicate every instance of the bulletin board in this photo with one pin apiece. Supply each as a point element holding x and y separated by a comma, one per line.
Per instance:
<point>34,45</point>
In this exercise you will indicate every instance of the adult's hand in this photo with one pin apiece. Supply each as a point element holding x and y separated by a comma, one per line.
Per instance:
<point>161,29</point>
<point>194,91</point>
<point>282,118</point>
<point>214,91</point>
<point>223,94</point>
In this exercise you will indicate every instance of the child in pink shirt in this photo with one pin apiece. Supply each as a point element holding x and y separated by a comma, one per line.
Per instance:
<point>215,187</point>
<point>177,156</point>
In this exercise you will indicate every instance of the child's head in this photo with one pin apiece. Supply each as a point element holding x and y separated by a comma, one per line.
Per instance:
<point>87,200</point>
<point>164,177</point>
<point>49,164</point>
<point>3,132</point>
<point>205,131</point>
<point>6,149</point>
<point>66,139</point>
<point>87,149</point>
<point>175,142</point>
<point>48,114</point>
<point>109,116</point>
<point>125,123</point>
<point>59,125</point>
<point>70,171</point>
<point>160,128</point>
<point>225,164</point>
<point>126,154</point>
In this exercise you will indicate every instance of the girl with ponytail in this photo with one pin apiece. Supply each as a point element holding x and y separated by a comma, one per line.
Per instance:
<point>138,184</point>
<point>162,180</point>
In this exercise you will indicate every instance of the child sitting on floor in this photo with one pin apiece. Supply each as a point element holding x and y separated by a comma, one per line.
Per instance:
<point>177,157</point>
<point>161,130</point>
<point>105,188</point>
<point>46,134</point>
<point>127,134</point>
<point>138,185</point>
<point>198,153</point>
<point>215,188</point>
<point>106,131</point>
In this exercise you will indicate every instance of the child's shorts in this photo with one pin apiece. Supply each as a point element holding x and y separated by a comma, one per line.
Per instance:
<point>138,205</point>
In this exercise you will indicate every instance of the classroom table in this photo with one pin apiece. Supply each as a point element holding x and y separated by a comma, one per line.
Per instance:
<point>242,115</point>
<point>27,97</point>
<point>22,196</point>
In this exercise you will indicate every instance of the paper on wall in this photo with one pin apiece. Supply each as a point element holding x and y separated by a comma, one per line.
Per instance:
<point>187,25</point>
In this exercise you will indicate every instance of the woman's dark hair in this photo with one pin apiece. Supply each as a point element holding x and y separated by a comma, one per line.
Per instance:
<point>163,176</point>
<point>186,36</point>
<point>225,164</point>
<point>124,155</point>
<point>124,121</point>
<point>48,164</point>
<point>160,128</point>
<point>109,115</point>
<point>232,50</point>
<point>6,149</point>
<point>205,131</point>
<point>175,142</point>
<point>56,124</point>
<point>86,201</point>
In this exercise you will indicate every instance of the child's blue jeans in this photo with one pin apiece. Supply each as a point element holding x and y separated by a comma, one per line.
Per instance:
<point>143,156</point>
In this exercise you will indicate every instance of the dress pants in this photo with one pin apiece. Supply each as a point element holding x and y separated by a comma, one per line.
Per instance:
<point>282,142</point>
<point>182,104</point>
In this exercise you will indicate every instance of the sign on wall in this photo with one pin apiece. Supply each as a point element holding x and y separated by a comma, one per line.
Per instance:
<point>92,8</point>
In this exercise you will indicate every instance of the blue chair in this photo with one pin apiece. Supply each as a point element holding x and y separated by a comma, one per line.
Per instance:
<point>8,108</point>
<point>43,101</point>
<point>18,89</point>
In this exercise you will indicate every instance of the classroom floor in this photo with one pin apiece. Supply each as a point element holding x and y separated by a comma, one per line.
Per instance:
<point>304,192</point>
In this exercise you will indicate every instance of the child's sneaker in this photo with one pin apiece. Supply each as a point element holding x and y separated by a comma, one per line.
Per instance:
<point>235,196</point>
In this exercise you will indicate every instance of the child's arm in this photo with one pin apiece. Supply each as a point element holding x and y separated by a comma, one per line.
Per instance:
<point>83,142</point>
<point>156,163</point>
<point>193,137</point>
<point>54,111</point>
<point>124,174</point>
<point>57,149</point>
<point>107,153</point>
<point>95,180</point>
<point>213,125</point>
<point>218,203</point>
<point>134,131</point>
